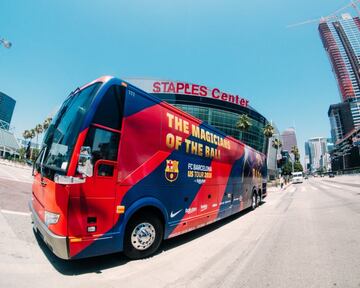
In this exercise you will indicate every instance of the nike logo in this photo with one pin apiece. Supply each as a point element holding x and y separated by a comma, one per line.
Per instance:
<point>172,214</point>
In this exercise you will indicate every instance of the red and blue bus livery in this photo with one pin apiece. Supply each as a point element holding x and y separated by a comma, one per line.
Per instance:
<point>121,170</point>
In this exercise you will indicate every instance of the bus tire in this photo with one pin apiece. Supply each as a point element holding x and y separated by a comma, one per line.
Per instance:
<point>259,198</point>
<point>254,198</point>
<point>143,236</point>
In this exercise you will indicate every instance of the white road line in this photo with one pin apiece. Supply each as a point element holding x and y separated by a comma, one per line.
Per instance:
<point>16,180</point>
<point>15,212</point>
<point>323,187</point>
<point>302,189</point>
<point>8,174</point>
<point>334,185</point>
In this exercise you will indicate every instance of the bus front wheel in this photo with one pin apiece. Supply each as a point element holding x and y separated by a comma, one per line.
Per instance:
<point>143,236</point>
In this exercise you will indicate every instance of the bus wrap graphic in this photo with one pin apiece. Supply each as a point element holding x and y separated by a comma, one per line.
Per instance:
<point>171,170</point>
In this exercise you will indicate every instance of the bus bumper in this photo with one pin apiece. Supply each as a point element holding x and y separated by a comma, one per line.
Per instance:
<point>57,244</point>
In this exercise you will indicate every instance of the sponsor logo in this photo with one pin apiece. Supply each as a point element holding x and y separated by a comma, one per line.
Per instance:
<point>203,207</point>
<point>200,181</point>
<point>171,170</point>
<point>173,214</point>
<point>190,210</point>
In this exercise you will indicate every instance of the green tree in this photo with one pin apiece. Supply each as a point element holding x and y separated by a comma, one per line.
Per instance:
<point>38,130</point>
<point>34,154</point>
<point>22,152</point>
<point>287,168</point>
<point>268,130</point>
<point>32,135</point>
<point>243,123</point>
<point>295,151</point>
<point>298,167</point>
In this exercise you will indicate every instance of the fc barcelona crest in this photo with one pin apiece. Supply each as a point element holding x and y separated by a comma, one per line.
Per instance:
<point>171,170</point>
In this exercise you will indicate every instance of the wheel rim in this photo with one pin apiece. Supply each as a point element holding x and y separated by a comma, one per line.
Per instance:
<point>254,201</point>
<point>143,236</point>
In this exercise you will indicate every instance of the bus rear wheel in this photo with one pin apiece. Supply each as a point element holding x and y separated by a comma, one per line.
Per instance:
<point>143,236</point>
<point>254,200</point>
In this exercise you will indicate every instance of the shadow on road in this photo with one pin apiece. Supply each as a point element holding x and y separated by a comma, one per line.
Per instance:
<point>97,264</point>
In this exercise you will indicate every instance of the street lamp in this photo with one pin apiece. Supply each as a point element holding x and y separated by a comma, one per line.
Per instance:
<point>7,44</point>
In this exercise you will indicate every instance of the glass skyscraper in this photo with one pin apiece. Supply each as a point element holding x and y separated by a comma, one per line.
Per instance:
<point>317,153</point>
<point>341,40</point>
<point>7,105</point>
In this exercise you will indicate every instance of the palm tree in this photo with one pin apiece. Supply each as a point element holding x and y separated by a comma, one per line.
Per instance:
<point>32,134</point>
<point>26,134</point>
<point>243,123</point>
<point>268,130</point>
<point>295,151</point>
<point>46,123</point>
<point>38,130</point>
<point>276,143</point>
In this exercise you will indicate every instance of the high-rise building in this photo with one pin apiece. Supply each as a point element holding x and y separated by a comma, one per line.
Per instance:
<point>341,39</point>
<point>341,121</point>
<point>316,151</point>
<point>288,138</point>
<point>7,105</point>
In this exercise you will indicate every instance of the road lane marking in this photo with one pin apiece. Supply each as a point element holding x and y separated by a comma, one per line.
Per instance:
<point>15,212</point>
<point>313,187</point>
<point>8,174</point>
<point>16,180</point>
<point>334,185</point>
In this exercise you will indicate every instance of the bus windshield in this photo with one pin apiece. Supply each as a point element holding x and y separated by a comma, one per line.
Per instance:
<point>62,133</point>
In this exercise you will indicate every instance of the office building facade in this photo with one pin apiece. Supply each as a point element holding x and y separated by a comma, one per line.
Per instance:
<point>341,121</point>
<point>288,138</point>
<point>212,105</point>
<point>7,105</point>
<point>316,151</point>
<point>341,40</point>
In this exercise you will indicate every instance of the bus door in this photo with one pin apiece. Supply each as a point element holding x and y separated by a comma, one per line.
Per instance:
<point>97,195</point>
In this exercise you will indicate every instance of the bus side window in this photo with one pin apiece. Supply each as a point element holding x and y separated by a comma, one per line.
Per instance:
<point>104,146</point>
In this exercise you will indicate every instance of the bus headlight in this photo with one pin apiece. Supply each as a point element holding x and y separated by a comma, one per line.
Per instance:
<point>51,218</point>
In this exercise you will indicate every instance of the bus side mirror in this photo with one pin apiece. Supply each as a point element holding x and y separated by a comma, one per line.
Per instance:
<point>84,165</point>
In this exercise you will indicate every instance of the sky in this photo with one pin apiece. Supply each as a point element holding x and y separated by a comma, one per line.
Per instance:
<point>241,47</point>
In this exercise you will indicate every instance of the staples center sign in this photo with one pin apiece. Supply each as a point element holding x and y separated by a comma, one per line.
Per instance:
<point>172,87</point>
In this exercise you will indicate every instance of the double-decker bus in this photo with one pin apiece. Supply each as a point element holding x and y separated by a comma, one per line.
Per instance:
<point>121,170</point>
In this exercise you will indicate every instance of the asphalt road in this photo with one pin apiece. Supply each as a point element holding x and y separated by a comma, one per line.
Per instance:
<point>305,236</point>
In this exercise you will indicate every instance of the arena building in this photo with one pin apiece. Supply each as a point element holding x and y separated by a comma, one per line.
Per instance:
<point>212,105</point>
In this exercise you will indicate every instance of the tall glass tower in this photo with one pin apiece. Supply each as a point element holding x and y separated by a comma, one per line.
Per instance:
<point>341,40</point>
<point>7,105</point>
